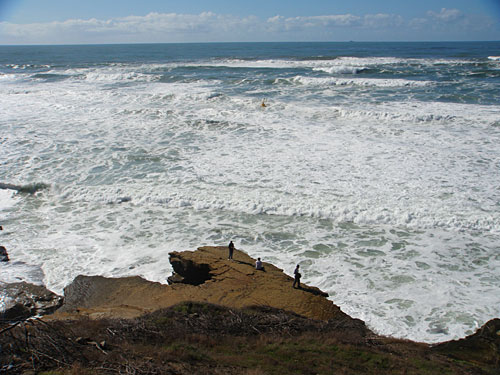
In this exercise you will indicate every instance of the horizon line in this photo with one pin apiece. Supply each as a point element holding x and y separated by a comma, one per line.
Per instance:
<point>247,42</point>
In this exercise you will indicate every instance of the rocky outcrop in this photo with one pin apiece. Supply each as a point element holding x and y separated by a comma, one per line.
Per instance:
<point>207,276</point>
<point>19,301</point>
<point>204,275</point>
<point>98,297</point>
<point>29,188</point>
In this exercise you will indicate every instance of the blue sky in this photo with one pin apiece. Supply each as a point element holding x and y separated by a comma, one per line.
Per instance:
<point>127,21</point>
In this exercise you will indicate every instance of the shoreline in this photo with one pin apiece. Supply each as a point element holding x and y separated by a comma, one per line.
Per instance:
<point>436,342</point>
<point>210,304</point>
<point>111,297</point>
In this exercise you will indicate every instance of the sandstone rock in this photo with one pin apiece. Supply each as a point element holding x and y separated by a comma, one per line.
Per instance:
<point>98,297</point>
<point>21,300</point>
<point>204,275</point>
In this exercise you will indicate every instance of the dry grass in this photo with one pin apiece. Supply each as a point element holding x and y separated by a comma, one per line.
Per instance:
<point>194,338</point>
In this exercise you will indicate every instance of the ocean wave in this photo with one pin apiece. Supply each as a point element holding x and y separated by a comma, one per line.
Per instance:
<point>27,66</point>
<point>373,82</point>
<point>7,199</point>
<point>114,73</point>
<point>341,69</point>
<point>335,64</point>
<point>49,77</point>
<point>9,77</point>
<point>339,65</point>
<point>359,211</point>
<point>394,115</point>
<point>114,76</point>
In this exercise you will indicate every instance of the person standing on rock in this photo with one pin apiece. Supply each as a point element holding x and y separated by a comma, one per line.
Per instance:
<point>296,280</point>
<point>231,250</point>
<point>4,256</point>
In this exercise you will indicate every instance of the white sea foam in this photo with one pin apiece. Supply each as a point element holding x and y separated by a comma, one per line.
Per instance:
<point>112,76</point>
<point>339,65</point>
<point>358,82</point>
<point>390,203</point>
<point>7,200</point>
<point>17,271</point>
<point>8,77</point>
<point>341,62</point>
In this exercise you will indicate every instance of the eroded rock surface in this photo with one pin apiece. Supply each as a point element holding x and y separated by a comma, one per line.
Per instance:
<point>204,275</point>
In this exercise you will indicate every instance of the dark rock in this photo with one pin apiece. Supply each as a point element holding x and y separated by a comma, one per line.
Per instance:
<point>29,188</point>
<point>120,200</point>
<point>22,300</point>
<point>176,279</point>
<point>188,272</point>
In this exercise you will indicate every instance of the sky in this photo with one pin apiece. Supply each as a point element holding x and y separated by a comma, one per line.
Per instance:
<point>165,21</point>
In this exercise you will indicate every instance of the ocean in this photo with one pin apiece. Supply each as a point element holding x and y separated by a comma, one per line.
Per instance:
<point>375,166</point>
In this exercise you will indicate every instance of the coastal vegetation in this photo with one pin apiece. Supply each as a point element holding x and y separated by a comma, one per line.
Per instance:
<point>203,338</point>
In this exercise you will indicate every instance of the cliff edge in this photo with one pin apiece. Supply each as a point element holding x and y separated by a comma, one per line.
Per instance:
<point>204,275</point>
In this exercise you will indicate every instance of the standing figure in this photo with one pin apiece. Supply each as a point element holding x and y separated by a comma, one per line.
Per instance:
<point>4,257</point>
<point>231,250</point>
<point>296,280</point>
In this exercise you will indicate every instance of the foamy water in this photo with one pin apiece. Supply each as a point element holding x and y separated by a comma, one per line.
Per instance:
<point>379,175</point>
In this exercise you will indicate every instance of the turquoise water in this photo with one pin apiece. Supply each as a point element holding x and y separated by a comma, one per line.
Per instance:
<point>373,165</point>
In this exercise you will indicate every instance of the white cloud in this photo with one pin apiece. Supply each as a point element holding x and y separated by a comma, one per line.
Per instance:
<point>454,22</point>
<point>377,21</point>
<point>446,15</point>
<point>152,27</point>
<point>209,26</point>
<point>337,21</point>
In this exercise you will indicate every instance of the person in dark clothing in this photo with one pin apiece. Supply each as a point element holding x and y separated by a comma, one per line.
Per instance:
<point>259,265</point>
<point>296,280</point>
<point>4,257</point>
<point>231,250</point>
